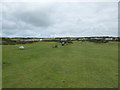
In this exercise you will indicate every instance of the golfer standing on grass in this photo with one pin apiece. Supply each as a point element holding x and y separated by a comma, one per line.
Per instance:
<point>63,43</point>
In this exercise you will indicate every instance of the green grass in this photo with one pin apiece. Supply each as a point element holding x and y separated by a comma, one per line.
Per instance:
<point>79,65</point>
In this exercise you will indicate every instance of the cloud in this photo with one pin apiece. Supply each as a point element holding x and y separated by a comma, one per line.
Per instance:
<point>35,15</point>
<point>60,19</point>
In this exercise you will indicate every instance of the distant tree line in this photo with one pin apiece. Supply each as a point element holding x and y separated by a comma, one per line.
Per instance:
<point>8,41</point>
<point>67,40</point>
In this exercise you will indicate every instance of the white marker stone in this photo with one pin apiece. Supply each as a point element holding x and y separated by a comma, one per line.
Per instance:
<point>21,47</point>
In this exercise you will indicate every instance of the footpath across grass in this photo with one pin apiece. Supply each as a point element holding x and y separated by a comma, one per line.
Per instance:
<point>79,65</point>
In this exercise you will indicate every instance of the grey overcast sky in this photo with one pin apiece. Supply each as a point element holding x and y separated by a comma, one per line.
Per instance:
<point>59,19</point>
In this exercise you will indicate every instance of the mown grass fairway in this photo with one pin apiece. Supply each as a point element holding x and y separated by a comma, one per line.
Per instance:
<point>79,65</point>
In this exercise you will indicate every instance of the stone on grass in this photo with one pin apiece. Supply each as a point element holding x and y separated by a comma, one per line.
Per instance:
<point>21,47</point>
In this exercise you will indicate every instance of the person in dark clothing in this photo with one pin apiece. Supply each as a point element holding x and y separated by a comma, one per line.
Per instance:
<point>55,46</point>
<point>63,43</point>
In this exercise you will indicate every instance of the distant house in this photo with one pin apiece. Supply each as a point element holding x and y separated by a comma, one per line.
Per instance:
<point>81,39</point>
<point>98,38</point>
<point>29,40</point>
<point>73,39</point>
<point>108,38</point>
<point>63,39</point>
<point>41,39</point>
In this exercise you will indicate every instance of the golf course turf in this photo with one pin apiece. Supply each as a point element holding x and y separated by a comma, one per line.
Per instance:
<point>78,65</point>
